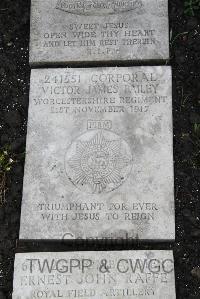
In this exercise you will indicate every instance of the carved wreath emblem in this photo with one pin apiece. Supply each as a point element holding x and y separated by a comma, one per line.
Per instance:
<point>98,162</point>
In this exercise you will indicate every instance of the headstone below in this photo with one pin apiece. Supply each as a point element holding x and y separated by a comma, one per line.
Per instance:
<point>118,274</point>
<point>71,31</point>
<point>99,161</point>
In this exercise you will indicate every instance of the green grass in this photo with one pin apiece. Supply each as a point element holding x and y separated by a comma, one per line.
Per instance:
<point>192,7</point>
<point>7,161</point>
<point>197,130</point>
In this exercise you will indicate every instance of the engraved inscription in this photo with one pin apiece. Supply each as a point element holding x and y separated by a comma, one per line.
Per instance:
<point>99,7</point>
<point>98,161</point>
<point>98,30</point>
<point>108,92</point>
<point>99,141</point>
<point>97,275</point>
<point>99,124</point>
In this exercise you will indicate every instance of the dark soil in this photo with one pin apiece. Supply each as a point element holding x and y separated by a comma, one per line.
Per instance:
<point>14,80</point>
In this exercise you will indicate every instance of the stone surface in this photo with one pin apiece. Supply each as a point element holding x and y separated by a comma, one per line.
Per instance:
<point>118,274</point>
<point>99,160</point>
<point>67,31</point>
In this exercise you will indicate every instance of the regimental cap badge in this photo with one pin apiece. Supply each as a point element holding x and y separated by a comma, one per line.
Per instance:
<point>98,161</point>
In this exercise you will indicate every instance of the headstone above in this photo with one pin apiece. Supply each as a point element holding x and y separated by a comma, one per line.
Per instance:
<point>111,274</point>
<point>72,31</point>
<point>99,162</point>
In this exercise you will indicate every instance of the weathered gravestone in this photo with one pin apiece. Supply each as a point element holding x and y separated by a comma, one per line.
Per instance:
<point>64,31</point>
<point>99,160</point>
<point>119,274</point>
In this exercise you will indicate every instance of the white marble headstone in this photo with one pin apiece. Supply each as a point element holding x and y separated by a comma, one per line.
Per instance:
<point>72,31</point>
<point>98,275</point>
<point>99,156</point>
